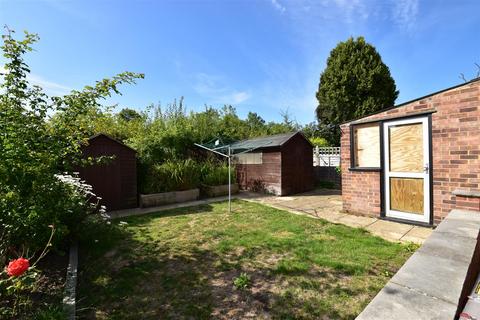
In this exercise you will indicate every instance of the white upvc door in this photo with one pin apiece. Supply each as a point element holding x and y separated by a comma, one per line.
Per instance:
<point>406,169</point>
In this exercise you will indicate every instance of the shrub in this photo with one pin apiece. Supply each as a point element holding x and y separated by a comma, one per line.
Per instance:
<point>172,175</point>
<point>216,173</point>
<point>319,142</point>
<point>34,148</point>
<point>179,175</point>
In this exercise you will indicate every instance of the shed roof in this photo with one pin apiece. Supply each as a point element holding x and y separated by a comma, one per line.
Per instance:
<point>265,142</point>
<point>110,138</point>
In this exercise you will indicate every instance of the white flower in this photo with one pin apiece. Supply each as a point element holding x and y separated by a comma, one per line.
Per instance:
<point>83,190</point>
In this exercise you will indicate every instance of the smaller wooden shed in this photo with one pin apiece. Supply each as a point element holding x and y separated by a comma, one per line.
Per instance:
<point>116,181</point>
<point>280,164</point>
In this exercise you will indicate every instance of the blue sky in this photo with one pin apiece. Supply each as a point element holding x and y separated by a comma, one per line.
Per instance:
<point>263,56</point>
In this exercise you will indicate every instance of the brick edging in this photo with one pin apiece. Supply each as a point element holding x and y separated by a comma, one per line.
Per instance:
<point>69,295</point>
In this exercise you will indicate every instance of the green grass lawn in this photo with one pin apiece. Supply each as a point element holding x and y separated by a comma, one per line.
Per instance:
<point>182,264</point>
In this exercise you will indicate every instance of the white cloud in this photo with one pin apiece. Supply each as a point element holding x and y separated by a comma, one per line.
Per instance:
<point>238,97</point>
<point>277,5</point>
<point>352,9</point>
<point>213,88</point>
<point>405,13</point>
<point>49,87</point>
<point>206,83</point>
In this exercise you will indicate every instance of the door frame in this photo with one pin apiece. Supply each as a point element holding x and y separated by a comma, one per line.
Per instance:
<point>427,219</point>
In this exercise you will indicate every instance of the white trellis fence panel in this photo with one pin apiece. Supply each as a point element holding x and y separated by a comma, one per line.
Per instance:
<point>326,156</point>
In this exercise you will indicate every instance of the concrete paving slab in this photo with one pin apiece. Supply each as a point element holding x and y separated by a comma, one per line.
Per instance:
<point>389,230</point>
<point>435,276</point>
<point>312,207</point>
<point>449,245</point>
<point>460,227</point>
<point>464,215</point>
<point>357,221</point>
<point>417,235</point>
<point>331,216</point>
<point>301,202</point>
<point>395,302</point>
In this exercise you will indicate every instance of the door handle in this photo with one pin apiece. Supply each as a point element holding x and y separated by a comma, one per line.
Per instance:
<point>426,168</point>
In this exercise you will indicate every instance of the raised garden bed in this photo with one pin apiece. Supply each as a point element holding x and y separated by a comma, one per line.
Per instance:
<point>217,191</point>
<point>159,199</point>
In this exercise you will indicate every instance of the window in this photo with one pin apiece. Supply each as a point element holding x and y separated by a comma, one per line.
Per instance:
<point>366,146</point>
<point>249,158</point>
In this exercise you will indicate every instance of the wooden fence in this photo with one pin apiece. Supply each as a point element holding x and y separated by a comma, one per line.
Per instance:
<point>325,163</point>
<point>327,174</point>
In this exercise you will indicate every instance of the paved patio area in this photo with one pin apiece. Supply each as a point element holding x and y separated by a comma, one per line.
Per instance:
<point>321,203</point>
<point>327,204</point>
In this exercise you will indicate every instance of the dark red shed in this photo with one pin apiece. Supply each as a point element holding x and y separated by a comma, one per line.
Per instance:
<point>281,164</point>
<point>116,181</point>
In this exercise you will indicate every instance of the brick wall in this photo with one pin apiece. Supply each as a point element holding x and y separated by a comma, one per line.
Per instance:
<point>467,203</point>
<point>456,151</point>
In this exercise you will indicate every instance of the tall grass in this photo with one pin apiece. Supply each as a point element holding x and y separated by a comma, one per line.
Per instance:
<point>216,173</point>
<point>179,175</point>
<point>172,175</point>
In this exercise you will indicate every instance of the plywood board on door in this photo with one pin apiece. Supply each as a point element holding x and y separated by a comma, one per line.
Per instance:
<point>406,148</point>
<point>406,195</point>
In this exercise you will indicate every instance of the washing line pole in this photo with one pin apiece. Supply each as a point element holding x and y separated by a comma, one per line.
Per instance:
<point>229,165</point>
<point>228,155</point>
<point>229,181</point>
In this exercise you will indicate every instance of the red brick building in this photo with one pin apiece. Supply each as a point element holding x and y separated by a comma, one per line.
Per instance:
<point>416,161</point>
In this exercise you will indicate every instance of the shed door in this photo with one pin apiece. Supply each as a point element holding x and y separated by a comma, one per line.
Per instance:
<point>407,178</point>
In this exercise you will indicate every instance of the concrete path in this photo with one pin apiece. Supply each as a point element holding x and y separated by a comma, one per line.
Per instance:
<point>429,285</point>
<point>327,204</point>
<point>321,203</point>
<point>141,211</point>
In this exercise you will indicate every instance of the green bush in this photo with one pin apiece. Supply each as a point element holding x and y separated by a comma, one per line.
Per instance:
<point>179,175</point>
<point>216,174</point>
<point>319,142</point>
<point>172,175</point>
<point>64,202</point>
<point>34,149</point>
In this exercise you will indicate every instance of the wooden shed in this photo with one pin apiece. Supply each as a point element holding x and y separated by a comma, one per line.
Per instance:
<point>416,161</point>
<point>116,181</point>
<point>280,164</point>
